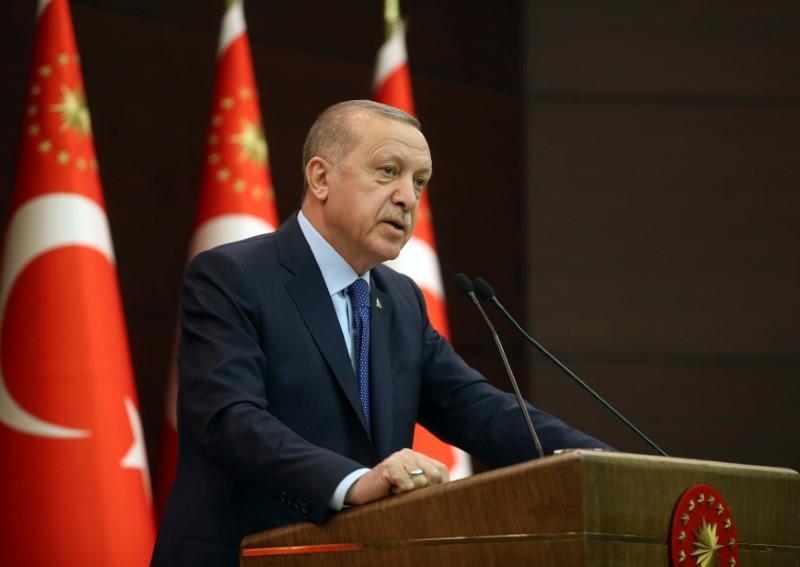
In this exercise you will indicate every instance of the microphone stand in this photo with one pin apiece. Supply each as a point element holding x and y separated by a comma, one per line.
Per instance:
<point>487,294</point>
<point>465,287</point>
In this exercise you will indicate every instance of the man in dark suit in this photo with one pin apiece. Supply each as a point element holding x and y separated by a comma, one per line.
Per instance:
<point>282,416</point>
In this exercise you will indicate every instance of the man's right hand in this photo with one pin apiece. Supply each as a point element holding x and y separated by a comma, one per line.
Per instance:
<point>393,476</point>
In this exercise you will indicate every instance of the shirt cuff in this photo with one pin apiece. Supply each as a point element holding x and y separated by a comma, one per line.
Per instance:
<point>337,500</point>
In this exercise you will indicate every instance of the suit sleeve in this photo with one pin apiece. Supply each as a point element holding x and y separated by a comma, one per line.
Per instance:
<point>222,397</point>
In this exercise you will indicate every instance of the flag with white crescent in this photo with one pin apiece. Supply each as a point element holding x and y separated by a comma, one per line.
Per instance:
<point>418,259</point>
<point>74,461</point>
<point>236,197</point>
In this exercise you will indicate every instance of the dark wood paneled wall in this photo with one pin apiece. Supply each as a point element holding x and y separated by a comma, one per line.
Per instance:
<point>649,225</point>
<point>149,74</point>
<point>663,220</point>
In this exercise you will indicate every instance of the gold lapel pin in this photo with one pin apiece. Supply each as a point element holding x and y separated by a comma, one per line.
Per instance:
<point>378,304</point>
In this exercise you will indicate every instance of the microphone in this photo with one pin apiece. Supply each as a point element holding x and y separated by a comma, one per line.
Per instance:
<point>487,294</point>
<point>466,288</point>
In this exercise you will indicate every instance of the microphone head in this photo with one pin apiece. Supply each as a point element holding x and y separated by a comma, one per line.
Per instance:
<point>463,284</point>
<point>483,289</point>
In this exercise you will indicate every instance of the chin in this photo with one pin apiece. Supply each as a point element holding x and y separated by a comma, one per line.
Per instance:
<point>388,250</point>
<point>389,257</point>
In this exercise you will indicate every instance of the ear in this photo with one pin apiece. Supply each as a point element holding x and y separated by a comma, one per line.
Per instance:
<point>318,174</point>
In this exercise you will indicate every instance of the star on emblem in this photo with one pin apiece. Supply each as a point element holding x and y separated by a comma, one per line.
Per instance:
<point>706,545</point>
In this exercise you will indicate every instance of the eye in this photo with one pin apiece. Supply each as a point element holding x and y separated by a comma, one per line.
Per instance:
<point>420,183</point>
<point>389,170</point>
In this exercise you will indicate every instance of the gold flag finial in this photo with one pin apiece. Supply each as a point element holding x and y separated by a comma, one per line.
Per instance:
<point>391,16</point>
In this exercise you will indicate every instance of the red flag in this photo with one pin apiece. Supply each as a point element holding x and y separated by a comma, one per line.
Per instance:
<point>419,260</point>
<point>74,485</point>
<point>236,197</point>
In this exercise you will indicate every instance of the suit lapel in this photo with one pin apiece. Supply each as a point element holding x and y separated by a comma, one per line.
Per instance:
<point>307,289</point>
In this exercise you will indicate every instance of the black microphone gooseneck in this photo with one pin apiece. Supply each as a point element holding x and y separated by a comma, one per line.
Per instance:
<point>465,287</point>
<point>487,294</point>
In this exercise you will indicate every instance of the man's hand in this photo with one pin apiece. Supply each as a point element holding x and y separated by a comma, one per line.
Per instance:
<point>394,476</point>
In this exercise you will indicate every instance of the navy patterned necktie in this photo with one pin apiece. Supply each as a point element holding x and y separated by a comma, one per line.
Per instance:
<point>359,295</point>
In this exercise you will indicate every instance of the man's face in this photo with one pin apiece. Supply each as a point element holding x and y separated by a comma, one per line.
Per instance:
<point>373,199</point>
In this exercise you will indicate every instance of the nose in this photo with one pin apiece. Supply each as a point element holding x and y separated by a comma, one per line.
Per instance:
<point>404,195</point>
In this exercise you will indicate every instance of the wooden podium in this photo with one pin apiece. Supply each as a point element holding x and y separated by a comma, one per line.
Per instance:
<point>581,507</point>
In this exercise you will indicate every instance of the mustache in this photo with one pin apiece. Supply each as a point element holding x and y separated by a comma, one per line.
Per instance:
<point>403,218</point>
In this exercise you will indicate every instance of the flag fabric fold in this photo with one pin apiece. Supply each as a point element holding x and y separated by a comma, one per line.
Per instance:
<point>236,195</point>
<point>418,259</point>
<point>75,485</point>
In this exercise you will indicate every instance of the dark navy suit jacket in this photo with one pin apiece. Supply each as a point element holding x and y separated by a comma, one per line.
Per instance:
<point>269,418</point>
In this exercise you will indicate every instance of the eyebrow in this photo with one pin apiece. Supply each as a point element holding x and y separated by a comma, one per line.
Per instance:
<point>383,155</point>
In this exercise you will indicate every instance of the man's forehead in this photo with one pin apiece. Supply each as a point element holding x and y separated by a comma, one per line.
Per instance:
<point>388,131</point>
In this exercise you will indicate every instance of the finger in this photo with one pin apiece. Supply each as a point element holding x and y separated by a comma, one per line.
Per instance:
<point>419,477</point>
<point>408,470</point>
<point>402,484</point>
<point>396,475</point>
<point>442,473</point>
<point>434,471</point>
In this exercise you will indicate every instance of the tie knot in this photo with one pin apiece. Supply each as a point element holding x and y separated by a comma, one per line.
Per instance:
<point>359,294</point>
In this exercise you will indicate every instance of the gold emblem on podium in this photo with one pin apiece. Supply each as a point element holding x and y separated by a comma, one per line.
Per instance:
<point>703,532</point>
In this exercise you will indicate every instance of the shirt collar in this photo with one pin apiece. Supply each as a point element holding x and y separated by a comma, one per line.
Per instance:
<point>336,272</point>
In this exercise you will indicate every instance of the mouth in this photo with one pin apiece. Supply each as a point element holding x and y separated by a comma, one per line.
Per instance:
<point>397,222</point>
<point>396,225</point>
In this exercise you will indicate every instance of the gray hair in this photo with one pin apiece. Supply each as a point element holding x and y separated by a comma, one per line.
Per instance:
<point>331,137</point>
